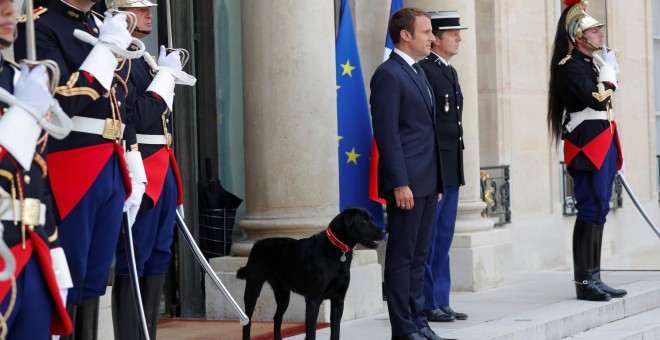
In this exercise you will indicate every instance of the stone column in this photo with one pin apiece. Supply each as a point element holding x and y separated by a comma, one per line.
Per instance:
<point>291,169</point>
<point>290,110</point>
<point>480,255</point>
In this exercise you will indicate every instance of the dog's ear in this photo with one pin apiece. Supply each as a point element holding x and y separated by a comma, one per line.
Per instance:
<point>347,216</point>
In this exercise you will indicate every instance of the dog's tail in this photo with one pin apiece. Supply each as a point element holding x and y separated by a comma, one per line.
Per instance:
<point>241,273</point>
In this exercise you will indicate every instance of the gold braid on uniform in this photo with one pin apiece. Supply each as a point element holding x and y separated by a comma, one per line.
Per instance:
<point>10,308</point>
<point>41,162</point>
<point>602,94</point>
<point>69,90</point>
<point>563,61</point>
<point>128,75</point>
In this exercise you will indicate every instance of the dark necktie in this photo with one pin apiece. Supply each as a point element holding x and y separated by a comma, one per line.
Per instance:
<point>421,76</point>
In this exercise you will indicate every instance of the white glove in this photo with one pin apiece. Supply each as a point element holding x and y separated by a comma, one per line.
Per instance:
<point>610,58</point>
<point>132,204</point>
<point>32,89</point>
<point>606,72</point>
<point>172,60</point>
<point>179,209</point>
<point>61,271</point>
<point>623,168</point>
<point>114,30</point>
<point>138,183</point>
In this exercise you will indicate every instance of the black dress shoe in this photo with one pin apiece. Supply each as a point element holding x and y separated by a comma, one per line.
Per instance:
<point>411,336</point>
<point>428,333</point>
<point>438,315</point>
<point>458,316</point>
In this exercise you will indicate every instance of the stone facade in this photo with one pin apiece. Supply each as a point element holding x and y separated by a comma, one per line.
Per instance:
<point>503,66</point>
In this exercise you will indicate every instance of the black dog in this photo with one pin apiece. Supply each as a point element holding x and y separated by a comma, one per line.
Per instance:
<point>317,267</point>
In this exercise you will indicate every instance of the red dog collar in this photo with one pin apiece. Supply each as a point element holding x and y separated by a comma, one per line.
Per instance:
<point>341,245</point>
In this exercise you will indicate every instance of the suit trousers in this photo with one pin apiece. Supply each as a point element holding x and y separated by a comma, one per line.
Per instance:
<point>437,279</point>
<point>408,244</point>
<point>593,190</point>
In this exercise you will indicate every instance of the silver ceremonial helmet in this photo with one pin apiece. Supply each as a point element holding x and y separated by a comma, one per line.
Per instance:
<point>130,3</point>
<point>578,22</point>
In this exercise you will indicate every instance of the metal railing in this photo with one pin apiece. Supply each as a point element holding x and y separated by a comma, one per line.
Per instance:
<point>568,200</point>
<point>496,194</point>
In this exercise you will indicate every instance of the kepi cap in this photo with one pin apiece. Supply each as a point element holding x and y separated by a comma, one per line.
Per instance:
<point>446,20</point>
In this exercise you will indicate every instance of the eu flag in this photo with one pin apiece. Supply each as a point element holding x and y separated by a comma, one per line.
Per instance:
<point>353,122</point>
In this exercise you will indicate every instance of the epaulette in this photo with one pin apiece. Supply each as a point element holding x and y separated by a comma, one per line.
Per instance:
<point>563,61</point>
<point>35,14</point>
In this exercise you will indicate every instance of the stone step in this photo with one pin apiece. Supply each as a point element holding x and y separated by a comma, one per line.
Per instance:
<point>565,318</point>
<point>644,325</point>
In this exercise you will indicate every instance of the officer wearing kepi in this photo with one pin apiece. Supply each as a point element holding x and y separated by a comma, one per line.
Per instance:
<point>153,230</point>
<point>33,308</point>
<point>88,171</point>
<point>448,118</point>
<point>580,112</point>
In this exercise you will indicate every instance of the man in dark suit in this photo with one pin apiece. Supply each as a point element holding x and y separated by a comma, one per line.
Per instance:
<point>448,115</point>
<point>409,170</point>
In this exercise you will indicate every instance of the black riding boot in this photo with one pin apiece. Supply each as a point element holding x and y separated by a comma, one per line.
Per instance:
<point>598,245</point>
<point>71,310</point>
<point>583,267</point>
<point>87,319</point>
<point>151,287</point>
<point>124,312</point>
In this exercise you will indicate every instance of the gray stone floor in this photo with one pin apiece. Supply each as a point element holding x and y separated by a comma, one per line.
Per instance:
<point>532,297</point>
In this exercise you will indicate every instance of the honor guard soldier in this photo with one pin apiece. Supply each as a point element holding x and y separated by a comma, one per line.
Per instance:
<point>88,170</point>
<point>153,230</point>
<point>580,112</point>
<point>448,121</point>
<point>32,305</point>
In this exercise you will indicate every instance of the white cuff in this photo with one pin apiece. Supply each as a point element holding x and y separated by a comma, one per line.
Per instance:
<point>136,167</point>
<point>19,133</point>
<point>163,85</point>
<point>101,63</point>
<point>607,74</point>
<point>61,268</point>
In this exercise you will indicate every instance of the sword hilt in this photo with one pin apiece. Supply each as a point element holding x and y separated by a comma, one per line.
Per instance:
<point>131,18</point>
<point>183,54</point>
<point>52,67</point>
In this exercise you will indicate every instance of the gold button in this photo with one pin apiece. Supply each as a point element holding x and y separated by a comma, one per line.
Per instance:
<point>167,120</point>
<point>26,179</point>
<point>119,103</point>
<point>96,30</point>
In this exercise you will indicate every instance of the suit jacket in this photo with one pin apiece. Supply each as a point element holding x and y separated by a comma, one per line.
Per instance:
<point>404,129</point>
<point>448,117</point>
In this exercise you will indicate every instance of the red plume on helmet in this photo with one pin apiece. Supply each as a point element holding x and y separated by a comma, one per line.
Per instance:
<point>570,3</point>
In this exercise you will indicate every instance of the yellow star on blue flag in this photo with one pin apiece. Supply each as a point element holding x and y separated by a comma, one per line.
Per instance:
<point>347,68</point>
<point>352,156</point>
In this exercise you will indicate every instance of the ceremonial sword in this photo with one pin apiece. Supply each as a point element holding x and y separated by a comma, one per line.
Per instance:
<point>625,184</point>
<point>130,250</point>
<point>244,320</point>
